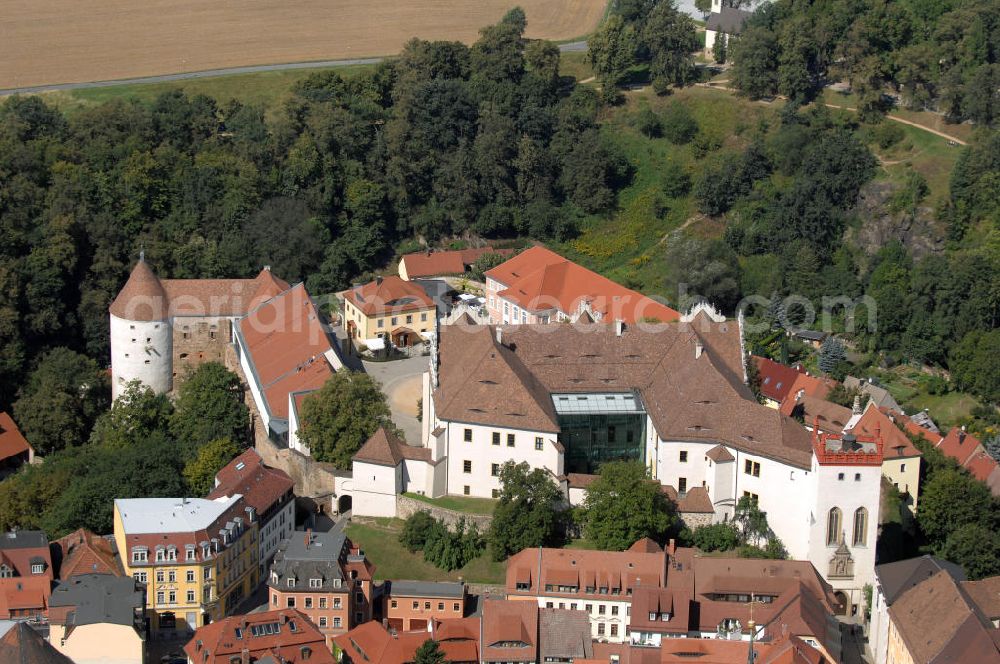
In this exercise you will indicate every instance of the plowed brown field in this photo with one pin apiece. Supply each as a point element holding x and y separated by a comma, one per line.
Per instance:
<point>69,41</point>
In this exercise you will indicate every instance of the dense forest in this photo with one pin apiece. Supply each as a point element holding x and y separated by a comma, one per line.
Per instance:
<point>942,55</point>
<point>445,139</point>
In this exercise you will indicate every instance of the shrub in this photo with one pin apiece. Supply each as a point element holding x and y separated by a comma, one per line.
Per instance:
<point>716,537</point>
<point>679,126</point>
<point>676,181</point>
<point>648,123</point>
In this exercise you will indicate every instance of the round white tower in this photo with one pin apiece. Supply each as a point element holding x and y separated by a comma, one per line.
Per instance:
<point>141,334</point>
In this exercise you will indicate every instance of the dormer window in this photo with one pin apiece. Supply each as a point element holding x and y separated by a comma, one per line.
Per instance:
<point>6,572</point>
<point>291,583</point>
<point>140,555</point>
<point>315,583</point>
<point>38,568</point>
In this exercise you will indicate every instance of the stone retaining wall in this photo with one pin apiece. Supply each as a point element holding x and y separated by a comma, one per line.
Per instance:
<point>696,519</point>
<point>406,507</point>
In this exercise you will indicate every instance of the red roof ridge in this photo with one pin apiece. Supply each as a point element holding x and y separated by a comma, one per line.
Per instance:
<point>142,298</point>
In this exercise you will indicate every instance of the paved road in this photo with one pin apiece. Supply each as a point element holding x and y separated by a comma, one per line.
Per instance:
<point>209,73</point>
<point>400,381</point>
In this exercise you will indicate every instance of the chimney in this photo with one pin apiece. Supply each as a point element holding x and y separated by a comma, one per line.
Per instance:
<point>499,335</point>
<point>857,404</point>
<point>801,393</point>
<point>267,268</point>
<point>308,536</point>
<point>961,435</point>
<point>671,547</point>
<point>699,348</point>
<point>378,280</point>
<point>619,327</point>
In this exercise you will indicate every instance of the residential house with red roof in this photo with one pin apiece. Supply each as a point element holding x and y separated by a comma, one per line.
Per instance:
<point>26,574</point>
<point>970,453</point>
<point>389,308</point>
<point>83,552</point>
<point>649,598</point>
<point>784,650</point>
<point>15,451</point>
<point>160,326</point>
<point>326,577</point>
<point>540,286</point>
<point>776,379</point>
<point>505,631</point>
<point>423,264</point>
<point>268,491</point>
<point>285,636</point>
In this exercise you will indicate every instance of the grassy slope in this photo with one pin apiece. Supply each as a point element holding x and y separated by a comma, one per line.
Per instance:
<point>267,89</point>
<point>381,544</point>
<point>462,504</point>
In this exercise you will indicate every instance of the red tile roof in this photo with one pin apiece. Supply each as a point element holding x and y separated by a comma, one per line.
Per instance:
<point>388,295</point>
<point>373,644</point>
<point>439,263</point>
<point>510,631</point>
<point>982,466</point>
<point>809,386</point>
<point>83,552</point>
<point>541,280</point>
<point>261,486</point>
<point>21,595</point>
<point>386,449</point>
<point>12,443</point>
<point>287,344</point>
<point>20,549</point>
<point>646,545</point>
<point>775,379</point>
<point>895,443</point>
<point>911,427</point>
<point>960,445</point>
<point>615,571</point>
<point>146,297</point>
<point>219,641</point>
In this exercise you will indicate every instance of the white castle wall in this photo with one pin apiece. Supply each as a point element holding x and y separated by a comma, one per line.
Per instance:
<point>141,350</point>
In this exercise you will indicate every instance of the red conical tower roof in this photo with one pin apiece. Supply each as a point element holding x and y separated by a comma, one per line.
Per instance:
<point>143,297</point>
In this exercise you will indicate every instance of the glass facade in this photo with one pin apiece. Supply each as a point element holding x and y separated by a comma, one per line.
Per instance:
<point>595,428</point>
<point>590,440</point>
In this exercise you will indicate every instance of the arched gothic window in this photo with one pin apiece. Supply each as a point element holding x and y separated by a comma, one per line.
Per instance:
<point>834,524</point>
<point>860,527</point>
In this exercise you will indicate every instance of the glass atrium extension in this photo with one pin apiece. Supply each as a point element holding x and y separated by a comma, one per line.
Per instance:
<point>595,428</point>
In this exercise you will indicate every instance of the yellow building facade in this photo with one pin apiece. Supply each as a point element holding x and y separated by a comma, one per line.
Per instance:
<point>197,557</point>
<point>386,307</point>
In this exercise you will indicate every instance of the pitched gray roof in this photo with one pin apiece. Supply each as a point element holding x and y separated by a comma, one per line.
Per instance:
<point>729,20</point>
<point>426,589</point>
<point>898,577</point>
<point>23,539</point>
<point>301,560</point>
<point>564,635</point>
<point>100,598</point>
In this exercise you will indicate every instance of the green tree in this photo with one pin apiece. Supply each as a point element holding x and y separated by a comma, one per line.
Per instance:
<point>136,414</point>
<point>754,57</point>
<point>624,505</point>
<point>212,457</point>
<point>612,52</point>
<point>831,354</point>
<point>210,406</point>
<point>337,419</point>
<point>528,512</point>
<point>416,527</point>
<point>429,653</point>
<point>750,522</point>
<point>952,499</point>
<point>716,537</point>
<point>976,548</point>
<point>975,364</point>
<point>719,48</point>
<point>679,125</point>
<point>61,400</point>
<point>670,38</point>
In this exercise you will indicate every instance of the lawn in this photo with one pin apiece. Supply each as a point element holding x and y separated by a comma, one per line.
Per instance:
<point>575,64</point>
<point>458,503</point>
<point>380,541</point>
<point>266,89</point>
<point>947,410</point>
